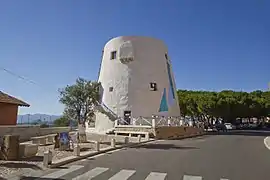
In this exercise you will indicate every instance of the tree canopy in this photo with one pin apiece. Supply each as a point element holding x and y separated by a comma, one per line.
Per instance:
<point>62,122</point>
<point>228,105</point>
<point>80,99</point>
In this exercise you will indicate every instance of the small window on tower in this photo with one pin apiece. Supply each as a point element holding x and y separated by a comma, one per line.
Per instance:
<point>110,89</point>
<point>166,56</point>
<point>102,53</point>
<point>113,55</point>
<point>153,86</point>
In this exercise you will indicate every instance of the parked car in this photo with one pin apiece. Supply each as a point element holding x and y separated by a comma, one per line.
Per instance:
<point>229,126</point>
<point>220,127</point>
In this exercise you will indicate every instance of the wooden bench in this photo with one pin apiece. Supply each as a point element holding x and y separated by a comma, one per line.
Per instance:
<point>131,133</point>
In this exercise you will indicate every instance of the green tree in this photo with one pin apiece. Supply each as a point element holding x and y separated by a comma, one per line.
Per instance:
<point>228,105</point>
<point>62,121</point>
<point>80,99</point>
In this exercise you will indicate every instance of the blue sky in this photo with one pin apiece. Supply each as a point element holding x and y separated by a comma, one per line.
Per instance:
<point>213,45</point>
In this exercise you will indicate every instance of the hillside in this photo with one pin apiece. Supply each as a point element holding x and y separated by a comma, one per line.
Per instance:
<point>27,119</point>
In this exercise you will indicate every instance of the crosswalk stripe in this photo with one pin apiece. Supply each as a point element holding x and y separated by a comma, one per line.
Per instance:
<point>122,175</point>
<point>156,176</point>
<point>91,174</point>
<point>186,177</point>
<point>62,172</point>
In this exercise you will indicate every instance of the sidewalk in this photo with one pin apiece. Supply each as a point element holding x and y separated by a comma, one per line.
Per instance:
<point>13,170</point>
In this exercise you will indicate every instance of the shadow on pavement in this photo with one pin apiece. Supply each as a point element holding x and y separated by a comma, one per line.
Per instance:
<point>2,178</point>
<point>164,146</point>
<point>242,133</point>
<point>109,143</point>
<point>20,165</point>
<point>33,159</point>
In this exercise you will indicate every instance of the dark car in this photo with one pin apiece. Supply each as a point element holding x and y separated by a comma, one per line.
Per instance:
<point>220,127</point>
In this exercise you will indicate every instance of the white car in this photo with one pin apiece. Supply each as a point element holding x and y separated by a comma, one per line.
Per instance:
<point>229,126</point>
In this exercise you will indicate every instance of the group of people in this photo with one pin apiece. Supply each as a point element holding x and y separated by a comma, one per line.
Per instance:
<point>65,139</point>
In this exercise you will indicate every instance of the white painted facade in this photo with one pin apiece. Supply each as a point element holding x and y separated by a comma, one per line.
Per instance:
<point>126,79</point>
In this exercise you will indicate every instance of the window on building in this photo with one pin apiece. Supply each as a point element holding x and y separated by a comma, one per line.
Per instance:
<point>113,55</point>
<point>166,56</point>
<point>102,53</point>
<point>110,89</point>
<point>153,86</point>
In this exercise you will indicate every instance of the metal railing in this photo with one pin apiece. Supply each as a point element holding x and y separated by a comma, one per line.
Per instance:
<point>154,121</point>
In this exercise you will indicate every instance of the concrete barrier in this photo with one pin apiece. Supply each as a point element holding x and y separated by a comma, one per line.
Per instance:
<point>26,132</point>
<point>28,150</point>
<point>107,138</point>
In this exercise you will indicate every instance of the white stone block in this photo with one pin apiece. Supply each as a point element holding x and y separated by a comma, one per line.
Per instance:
<point>113,143</point>
<point>126,140</point>
<point>76,150</point>
<point>47,158</point>
<point>139,138</point>
<point>147,137</point>
<point>97,146</point>
<point>28,150</point>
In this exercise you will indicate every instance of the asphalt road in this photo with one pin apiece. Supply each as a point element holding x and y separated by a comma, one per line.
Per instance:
<point>230,156</point>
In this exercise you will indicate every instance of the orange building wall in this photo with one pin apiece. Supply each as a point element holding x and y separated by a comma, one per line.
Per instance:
<point>8,114</point>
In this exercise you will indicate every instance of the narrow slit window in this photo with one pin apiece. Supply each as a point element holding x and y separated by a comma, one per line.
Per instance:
<point>102,53</point>
<point>113,55</point>
<point>153,86</point>
<point>110,89</point>
<point>166,56</point>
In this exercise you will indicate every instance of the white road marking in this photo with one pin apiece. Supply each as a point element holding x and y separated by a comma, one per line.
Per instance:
<point>122,175</point>
<point>62,172</point>
<point>156,176</point>
<point>91,174</point>
<point>265,142</point>
<point>186,177</point>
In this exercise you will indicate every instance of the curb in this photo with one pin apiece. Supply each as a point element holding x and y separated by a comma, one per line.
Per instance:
<point>265,142</point>
<point>90,154</point>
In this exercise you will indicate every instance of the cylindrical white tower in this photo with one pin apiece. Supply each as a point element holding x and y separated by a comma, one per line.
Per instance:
<point>137,80</point>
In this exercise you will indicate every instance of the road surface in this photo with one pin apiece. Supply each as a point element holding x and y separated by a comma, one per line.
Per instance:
<point>230,156</point>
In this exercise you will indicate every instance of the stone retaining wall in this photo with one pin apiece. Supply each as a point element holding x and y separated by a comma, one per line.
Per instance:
<point>165,132</point>
<point>171,132</point>
<point>26,132</point>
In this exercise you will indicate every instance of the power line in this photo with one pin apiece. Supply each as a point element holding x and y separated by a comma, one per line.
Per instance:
<point>21,77</point>
<point>18,76</point>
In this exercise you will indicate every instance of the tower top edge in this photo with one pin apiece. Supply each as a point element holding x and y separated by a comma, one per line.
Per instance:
<point>130,38</point>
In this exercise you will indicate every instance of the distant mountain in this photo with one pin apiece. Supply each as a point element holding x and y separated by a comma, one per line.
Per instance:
<point>27,119</point>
